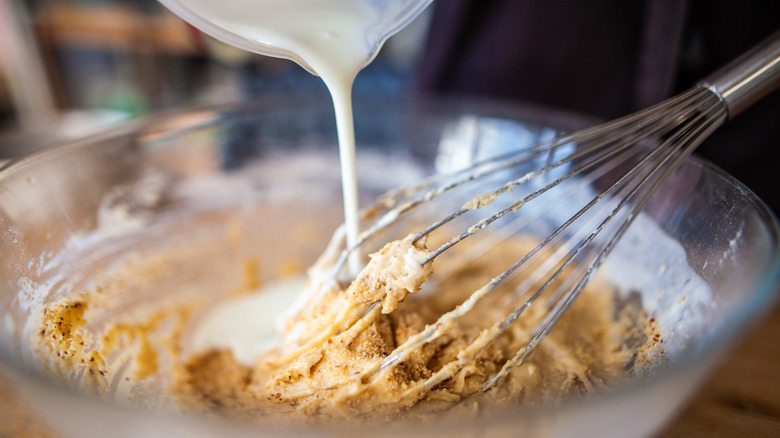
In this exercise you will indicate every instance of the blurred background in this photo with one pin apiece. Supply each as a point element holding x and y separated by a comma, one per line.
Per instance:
<point>71,67</point>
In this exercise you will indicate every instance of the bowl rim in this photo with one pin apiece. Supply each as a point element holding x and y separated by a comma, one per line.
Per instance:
<point>759,303</point>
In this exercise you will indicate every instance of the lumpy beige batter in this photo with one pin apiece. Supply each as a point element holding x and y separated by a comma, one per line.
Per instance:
<point>327,366</point>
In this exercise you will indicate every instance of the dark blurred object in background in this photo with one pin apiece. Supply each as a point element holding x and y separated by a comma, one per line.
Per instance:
<point>607,58</point>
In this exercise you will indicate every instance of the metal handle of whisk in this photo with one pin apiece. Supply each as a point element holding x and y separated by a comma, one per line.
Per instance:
<point>748,78</point>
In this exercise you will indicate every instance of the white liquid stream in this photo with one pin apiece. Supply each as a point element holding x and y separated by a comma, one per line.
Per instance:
<point>330,37</point>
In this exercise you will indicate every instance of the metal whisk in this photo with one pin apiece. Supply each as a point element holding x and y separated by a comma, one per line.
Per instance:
<point>626,161</point>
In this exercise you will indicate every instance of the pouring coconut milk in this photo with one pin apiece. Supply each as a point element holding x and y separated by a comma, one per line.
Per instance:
<point>334,39</point>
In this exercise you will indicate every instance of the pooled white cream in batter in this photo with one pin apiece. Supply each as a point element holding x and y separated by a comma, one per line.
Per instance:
<point>247,325</point>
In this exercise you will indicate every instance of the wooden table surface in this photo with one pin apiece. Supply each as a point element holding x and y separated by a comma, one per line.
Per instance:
<point>741,398</point>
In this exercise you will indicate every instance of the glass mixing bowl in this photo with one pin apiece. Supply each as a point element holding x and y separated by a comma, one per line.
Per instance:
<point>708,268</point>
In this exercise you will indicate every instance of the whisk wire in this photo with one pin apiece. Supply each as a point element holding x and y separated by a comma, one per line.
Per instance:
<point>432,331</point>
<point>638,133</point>
<point>637,125</point>
<point>690,139</point>
<point>702,123</point>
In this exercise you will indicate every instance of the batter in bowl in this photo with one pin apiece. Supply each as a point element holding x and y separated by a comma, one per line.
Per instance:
<point>322,368</point>
<point>125,332</point>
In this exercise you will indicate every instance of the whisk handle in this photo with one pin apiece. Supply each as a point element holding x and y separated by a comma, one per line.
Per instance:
<point>748,78</point>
